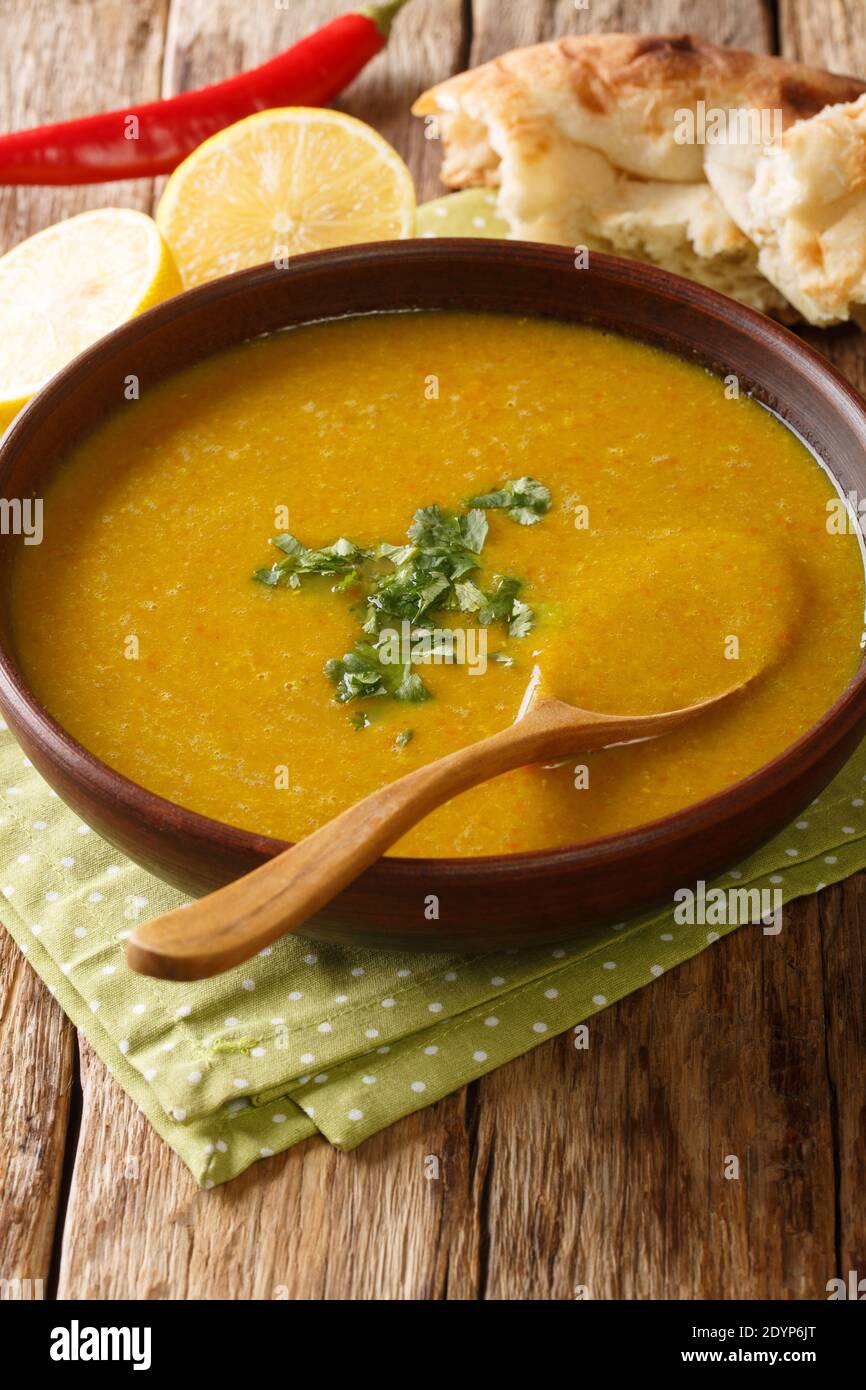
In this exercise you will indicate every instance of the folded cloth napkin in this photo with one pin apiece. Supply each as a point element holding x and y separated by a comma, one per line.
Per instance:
<point>308,1038</point>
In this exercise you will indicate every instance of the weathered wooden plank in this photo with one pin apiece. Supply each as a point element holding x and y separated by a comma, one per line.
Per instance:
<point>127,1228</point>
<point>52,60</point>
<point>502,24</point>
<point>609,1178</point>
<point>380,1223</point>
<point>834,36</point>
<point>59,61</point>
<point>843,931</point>
<point>37,1055</point>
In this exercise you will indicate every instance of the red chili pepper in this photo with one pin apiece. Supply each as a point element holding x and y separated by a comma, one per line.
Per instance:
<point>138,142</point>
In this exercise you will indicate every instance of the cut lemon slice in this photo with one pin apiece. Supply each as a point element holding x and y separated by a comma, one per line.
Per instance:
<point>67,286</point>
<point>294,179</point>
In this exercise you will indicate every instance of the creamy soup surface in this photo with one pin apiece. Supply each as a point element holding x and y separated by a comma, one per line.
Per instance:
<point>686,547</point>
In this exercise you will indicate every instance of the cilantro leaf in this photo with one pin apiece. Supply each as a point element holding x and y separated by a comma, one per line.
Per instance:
<point>444,532</point>
<point>406,595</point>
<point>473,528</point>
<point>289,544</point>
<point>469,597</point>
<point>411,687</point>
<point>357,673</point>
<point>362,672</point>
<point>342,557</point>
<point>271,576</point>
<point>522,619</point>
<point>525,500</point>
<point>503,605</point>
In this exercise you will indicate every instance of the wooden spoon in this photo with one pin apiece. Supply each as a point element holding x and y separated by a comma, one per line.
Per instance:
<point>232,924</point>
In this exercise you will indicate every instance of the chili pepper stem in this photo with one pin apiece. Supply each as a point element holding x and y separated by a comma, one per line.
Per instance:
<point>383,15</point>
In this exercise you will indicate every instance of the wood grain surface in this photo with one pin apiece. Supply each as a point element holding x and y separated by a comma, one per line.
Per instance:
<point>598,1172</point>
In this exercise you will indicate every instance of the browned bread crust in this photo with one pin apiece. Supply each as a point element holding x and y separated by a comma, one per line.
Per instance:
<point>583,138</point>
<point>625,90</point>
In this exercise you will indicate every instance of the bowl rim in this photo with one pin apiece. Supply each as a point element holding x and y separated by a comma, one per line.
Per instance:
<point>162,816</point>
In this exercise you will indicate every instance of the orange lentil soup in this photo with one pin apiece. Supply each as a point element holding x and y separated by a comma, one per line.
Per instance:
<point>685,547</point>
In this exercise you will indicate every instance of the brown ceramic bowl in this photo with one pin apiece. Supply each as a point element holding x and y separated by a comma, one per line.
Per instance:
<point>504,899</point>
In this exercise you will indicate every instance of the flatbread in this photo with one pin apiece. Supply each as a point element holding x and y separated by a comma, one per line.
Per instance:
<point>580,138</point>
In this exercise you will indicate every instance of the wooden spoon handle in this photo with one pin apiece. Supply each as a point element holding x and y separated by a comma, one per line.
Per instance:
<point>230,925</point>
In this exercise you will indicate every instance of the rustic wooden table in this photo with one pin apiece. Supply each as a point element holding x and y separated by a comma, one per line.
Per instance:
<point>602,1168</point>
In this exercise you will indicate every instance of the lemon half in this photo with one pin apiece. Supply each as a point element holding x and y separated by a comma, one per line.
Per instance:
<point>67,286</point>
<point>281,182</point>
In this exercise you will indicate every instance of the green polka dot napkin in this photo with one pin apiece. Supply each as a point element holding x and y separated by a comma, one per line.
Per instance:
<point>471,212</point>
<point>308,1038</point>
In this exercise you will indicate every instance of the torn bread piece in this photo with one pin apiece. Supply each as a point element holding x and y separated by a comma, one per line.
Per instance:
<point>803,205</point>
<point>573,196</point>
<point>580,138</point>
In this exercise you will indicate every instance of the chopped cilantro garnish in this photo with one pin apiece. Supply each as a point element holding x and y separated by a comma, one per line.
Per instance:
<point>403,738</point>
<point>360,719</point>
<point>524,500</point>
<point>343,558</point>
<point>430,572</point>
<point>503,605</point>
<point>413,583</point>
<point>362,672</point>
